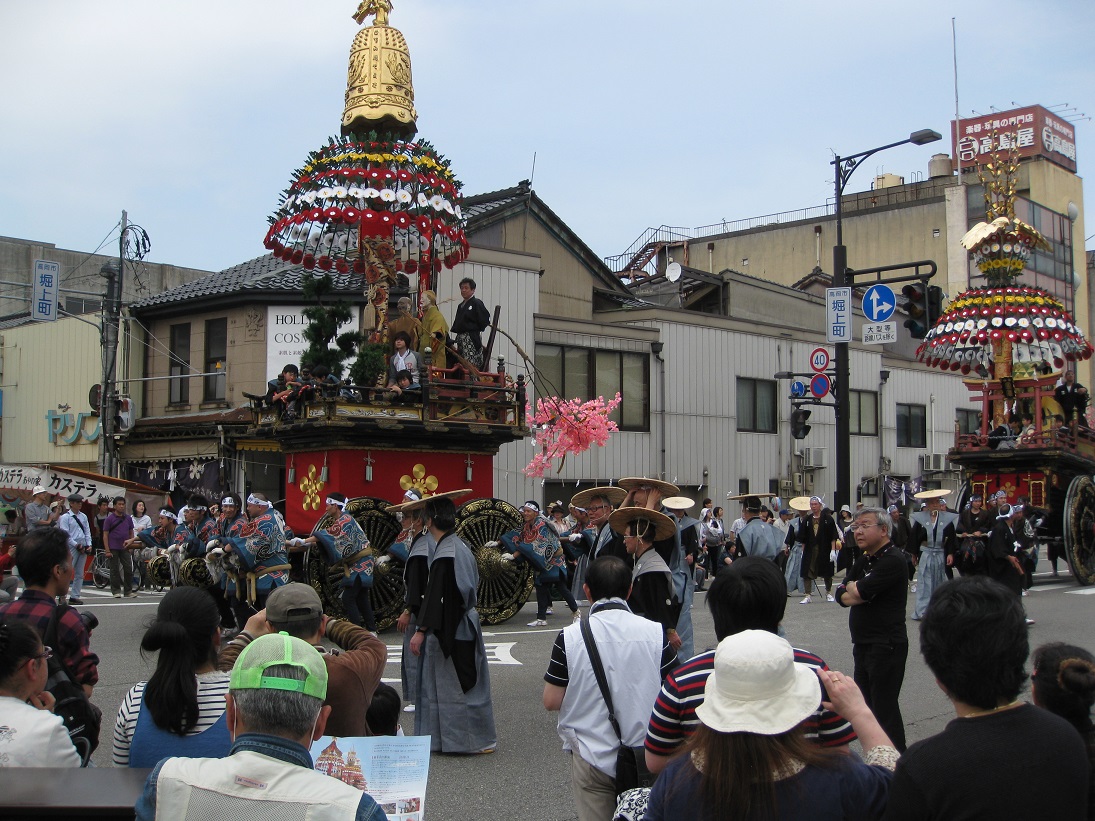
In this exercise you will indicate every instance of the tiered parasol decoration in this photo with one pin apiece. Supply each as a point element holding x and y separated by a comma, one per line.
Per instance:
<point>980,321</point>
<point>991,329</point>
<point>374,200</point>
<point>373,205</point>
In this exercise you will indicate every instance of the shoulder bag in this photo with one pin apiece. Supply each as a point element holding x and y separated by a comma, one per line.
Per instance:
<point>631,768</point>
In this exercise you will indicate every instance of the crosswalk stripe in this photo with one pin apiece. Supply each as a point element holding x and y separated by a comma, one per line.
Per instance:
<point>1086,591</point>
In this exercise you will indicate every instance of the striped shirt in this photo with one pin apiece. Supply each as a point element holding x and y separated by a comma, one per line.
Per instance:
<point>674,717</point>
<point>212,688</point>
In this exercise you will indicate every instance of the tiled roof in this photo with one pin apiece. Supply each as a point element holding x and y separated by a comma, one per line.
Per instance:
<point>265,273</point>
<point>481,206</point>
<point>229,416</point>
<point>15,320</point>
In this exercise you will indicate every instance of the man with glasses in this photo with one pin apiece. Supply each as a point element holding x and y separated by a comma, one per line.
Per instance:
<point>602,540</point>
<point>876,590</point>
<point>594,538</point>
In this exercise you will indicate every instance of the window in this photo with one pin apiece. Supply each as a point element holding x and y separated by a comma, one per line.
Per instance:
<point>863,413</point>
<point>756,405</point>
<point>969,421</point>
<point>178,365</point>
<point>216,351</point>
<point>743,486</point>
<point>911,426</point>
<point>583,373</point>
<point>75,305</point>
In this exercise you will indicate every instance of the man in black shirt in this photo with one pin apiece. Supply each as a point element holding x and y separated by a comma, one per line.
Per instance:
<point>472,318</point>
<point>1000,757</point>
<point>876,589</point>
<point>1072,397</point>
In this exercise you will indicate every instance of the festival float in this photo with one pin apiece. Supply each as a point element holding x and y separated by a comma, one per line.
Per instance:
<point>379,201</point>
<point>1018,341</point>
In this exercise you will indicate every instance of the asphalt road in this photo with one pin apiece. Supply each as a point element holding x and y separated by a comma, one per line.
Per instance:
<point>527,776</point>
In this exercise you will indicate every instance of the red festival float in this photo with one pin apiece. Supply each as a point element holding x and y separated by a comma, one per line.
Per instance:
<point>1018,341</point>
<point>380,201</point>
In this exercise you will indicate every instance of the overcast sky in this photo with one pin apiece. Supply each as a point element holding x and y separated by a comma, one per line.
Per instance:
<point>192,116</point>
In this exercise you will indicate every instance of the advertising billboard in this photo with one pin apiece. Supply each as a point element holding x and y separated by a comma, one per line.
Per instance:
<point>1036,131</point>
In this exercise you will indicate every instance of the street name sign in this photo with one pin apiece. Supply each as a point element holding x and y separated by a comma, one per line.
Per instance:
<point>45,289</point>
<point>838,314</point>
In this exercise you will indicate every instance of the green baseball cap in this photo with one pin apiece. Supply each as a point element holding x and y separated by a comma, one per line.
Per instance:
<point>249,672</point>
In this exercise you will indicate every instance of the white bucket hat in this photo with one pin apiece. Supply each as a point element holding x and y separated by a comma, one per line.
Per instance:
<point>756,686</point>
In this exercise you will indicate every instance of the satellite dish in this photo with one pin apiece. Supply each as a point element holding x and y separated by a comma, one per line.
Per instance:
<point>673,271</point>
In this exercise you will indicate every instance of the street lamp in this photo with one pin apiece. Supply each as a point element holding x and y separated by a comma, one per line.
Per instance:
<point>844,167</point>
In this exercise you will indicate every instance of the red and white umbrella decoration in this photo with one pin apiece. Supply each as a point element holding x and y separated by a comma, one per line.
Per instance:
<point>983,324</point>
<point>370,204</point>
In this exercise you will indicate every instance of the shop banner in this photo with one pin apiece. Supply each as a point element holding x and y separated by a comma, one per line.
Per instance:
<point>24,478</point>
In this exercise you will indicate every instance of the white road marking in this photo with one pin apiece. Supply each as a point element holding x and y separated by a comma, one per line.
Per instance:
<point>498,654</point>
<point>1087,591</point>
<point>1043,588</point>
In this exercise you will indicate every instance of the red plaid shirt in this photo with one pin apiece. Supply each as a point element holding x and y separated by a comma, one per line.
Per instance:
<point>35,608</point>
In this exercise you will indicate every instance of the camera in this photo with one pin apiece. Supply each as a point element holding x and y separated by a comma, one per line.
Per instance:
<point>90,620</point>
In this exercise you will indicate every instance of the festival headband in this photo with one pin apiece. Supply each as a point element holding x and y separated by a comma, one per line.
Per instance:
<point>818,499</point>
<point>228,500</point>
<point>332,501</point>
<point>412,496</point>
<point>252,499</point>
<point>196,507</point>
<point>169,514</point>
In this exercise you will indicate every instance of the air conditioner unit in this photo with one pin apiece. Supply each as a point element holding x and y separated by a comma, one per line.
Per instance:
<point>786,487</point>
<point>814,457</point>
<point>808,485</point>
<point>796,482</point>
<point>934,463</point>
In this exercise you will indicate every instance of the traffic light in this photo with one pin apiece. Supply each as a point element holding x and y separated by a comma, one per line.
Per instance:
<point>935,304</point>
<point>916,306</point>
<point>799,428</point>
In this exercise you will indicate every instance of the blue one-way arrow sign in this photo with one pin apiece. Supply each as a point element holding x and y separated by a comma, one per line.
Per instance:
<point>878,303</point>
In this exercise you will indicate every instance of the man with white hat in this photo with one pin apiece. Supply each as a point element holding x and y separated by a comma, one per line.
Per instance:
<point>38,513</point>
<point>932,546</point>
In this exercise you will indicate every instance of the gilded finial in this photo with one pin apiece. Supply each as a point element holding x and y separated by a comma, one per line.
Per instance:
<point>379,94</point>
<point>379,8</point>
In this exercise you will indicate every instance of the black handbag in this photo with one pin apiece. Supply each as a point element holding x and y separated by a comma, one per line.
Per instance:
<point>81,718</point>
<point>631,771</point>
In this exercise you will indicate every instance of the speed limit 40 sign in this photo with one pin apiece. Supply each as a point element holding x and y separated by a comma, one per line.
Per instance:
<point>819,359</point>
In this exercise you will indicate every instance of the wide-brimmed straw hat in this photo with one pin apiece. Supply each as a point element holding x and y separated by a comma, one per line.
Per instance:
<point>635,482</point>
<point>936,493</point>
<point>416,504</point>
<point>664,527</point>
<point>799,503</point>
<point>678,503</point>
<point>756,686</point>
<point>614,494</point>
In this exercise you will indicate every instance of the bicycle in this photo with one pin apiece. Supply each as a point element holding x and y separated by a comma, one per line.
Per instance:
<point>100,570</point>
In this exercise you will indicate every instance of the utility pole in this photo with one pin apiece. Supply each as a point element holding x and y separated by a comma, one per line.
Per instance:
<point>112,312</point>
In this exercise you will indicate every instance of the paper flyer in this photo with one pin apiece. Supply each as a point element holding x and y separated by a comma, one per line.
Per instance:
<point>392,769</point>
